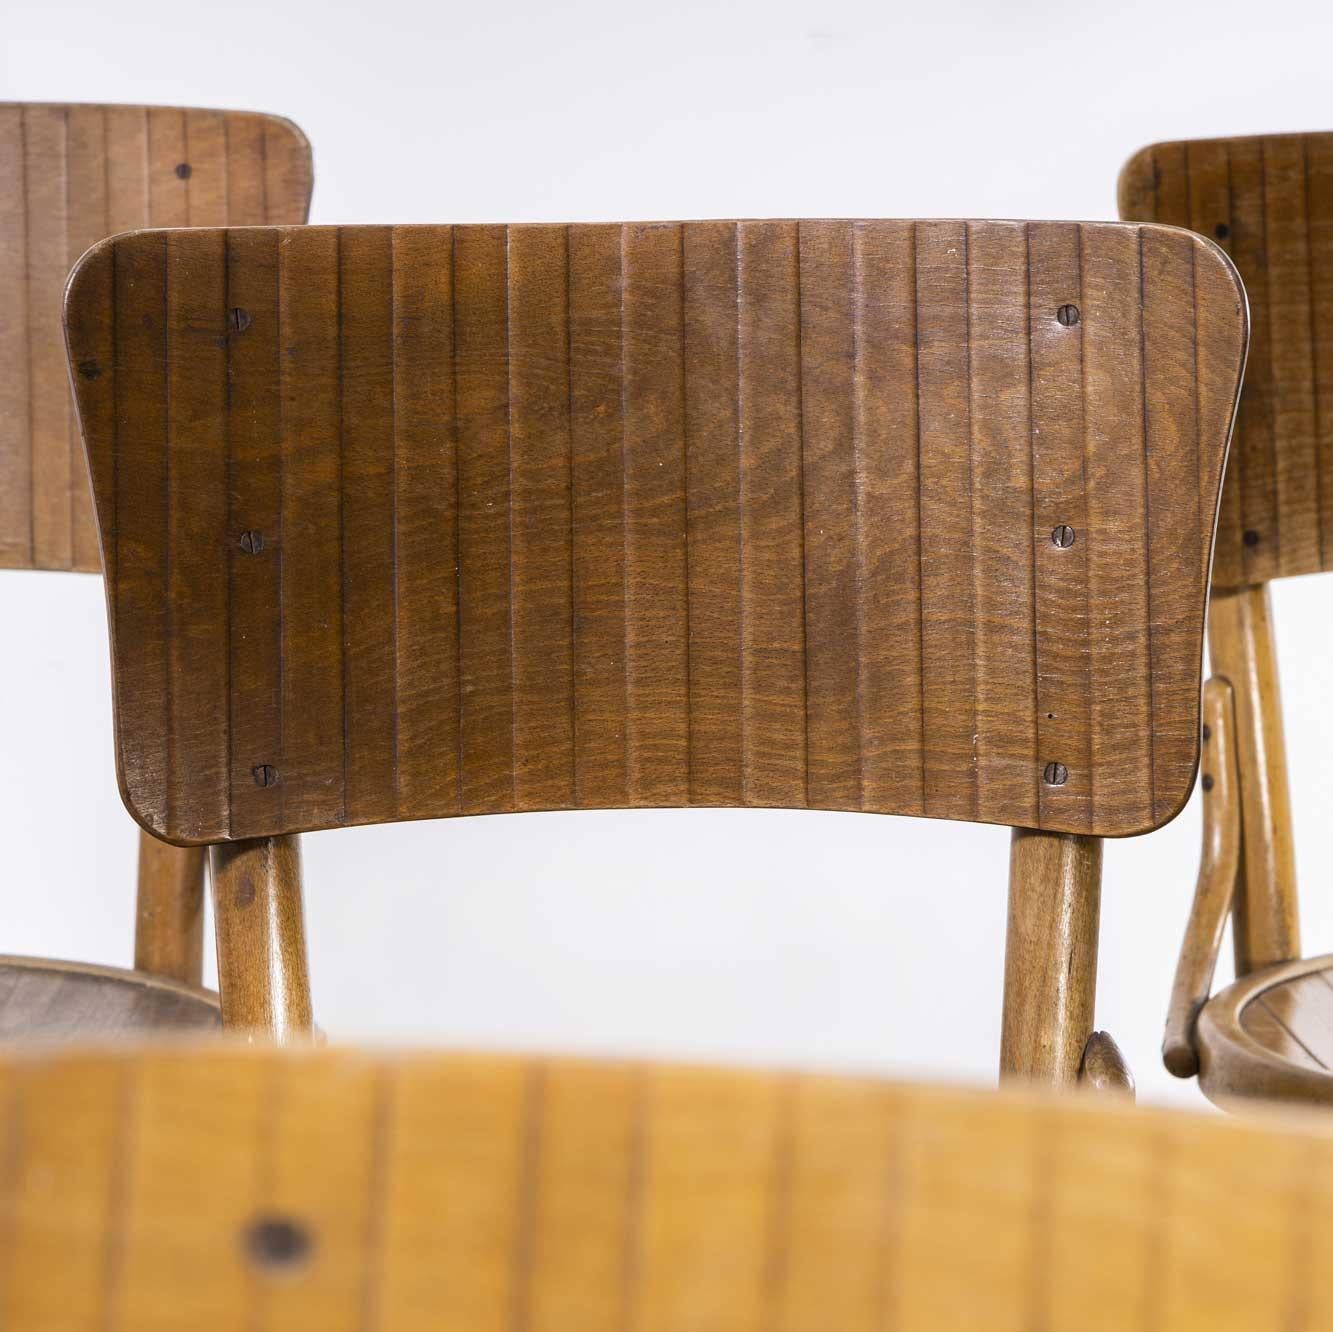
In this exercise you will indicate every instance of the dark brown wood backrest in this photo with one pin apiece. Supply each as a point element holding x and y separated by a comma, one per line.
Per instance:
<point>906,517</point>
<point>70,175</point>
<point>1268,201</point>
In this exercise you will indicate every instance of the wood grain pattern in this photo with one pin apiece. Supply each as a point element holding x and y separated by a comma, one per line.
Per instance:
<point>757,513</point>
<point>70,175</point>
<point>1268,201</point>
<point>1269,1036</point>
<point>176,1190</point>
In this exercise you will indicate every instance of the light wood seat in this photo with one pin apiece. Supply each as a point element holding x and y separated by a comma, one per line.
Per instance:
<point>44,1000</point>
<point>337,1191</point>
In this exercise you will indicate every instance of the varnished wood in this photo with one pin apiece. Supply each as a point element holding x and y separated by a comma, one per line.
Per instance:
<point>46,1001</point>
<point>1050,960</point>
<point>475,519</point>
<point>1104,1067</point>
<point>260,924</point>
<point>1270,1035</point>
<point>1241,646</point>
<point>337,1192</point>
<point>169,925</point>
<point>1268,201</point>
<point>1215,889</point>
<point>70,175</point>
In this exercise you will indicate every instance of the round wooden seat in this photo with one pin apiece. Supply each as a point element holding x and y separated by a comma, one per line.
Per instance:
<point>1270,1035</point>
<point>66,1001</point>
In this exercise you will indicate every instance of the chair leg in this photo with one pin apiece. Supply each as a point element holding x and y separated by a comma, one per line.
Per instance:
<point>169,923</point>
<point>1265,923</point>
<point>262,973</point>
<point>1050,961</point>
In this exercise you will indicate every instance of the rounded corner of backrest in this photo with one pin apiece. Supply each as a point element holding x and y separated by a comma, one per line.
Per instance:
<point>1134,186</point>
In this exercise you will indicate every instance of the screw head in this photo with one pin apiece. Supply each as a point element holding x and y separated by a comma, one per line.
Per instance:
<point>1068,315</point>
<point>184,170</point>
<point>265,774</point>
<point>238,320</point>
<point>1207,782</point>
<point>252,542</point>
<point>1063,537</point>
<point>1056,774</point>
<point>1251,537</point>
<point>277,1244</point>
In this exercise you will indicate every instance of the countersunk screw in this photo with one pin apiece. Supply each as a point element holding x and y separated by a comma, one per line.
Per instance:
<point>238,320</point>
<point>1221,231</point>
<point>1063,537</point>
<point>277,1244</point>
<point>1207,732</point>
<point>265,774</point>
<point>1068,315</point>
<point>1056,774</point>
<point>1207,781</point>
<point>252,542</point>
<point>1251,537</point>
<point>185,171</point>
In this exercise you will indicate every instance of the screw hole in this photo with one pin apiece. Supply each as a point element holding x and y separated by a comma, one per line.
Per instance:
<point>277,1244</point>
<point>1207,781</point>
<point>1251,537</point>
<point>184,170</point>
<point>1221,231</point>
<point>1207,732</point>
<point>1056,774</point>
<point>1068,315</point>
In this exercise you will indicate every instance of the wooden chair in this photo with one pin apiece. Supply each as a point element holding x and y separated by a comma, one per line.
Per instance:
<point>838,515</point>
<point>71,175</point>
<point>1269,203</point>
<point>226,1190</point>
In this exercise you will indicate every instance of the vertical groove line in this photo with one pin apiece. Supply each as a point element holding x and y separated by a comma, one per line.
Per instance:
<point>280,251</point>
<point>263,169</point>
<point>805,577</point>
<point>1273,390</point>
<point>975,764</point>
<point>342,513</point>
<point>11,1173</point>
<point>28,304</point>
<point>631,1266</point>
<point>1312,289</point>
<point>920,540</point>
<point>1091,747</point>
<point>229,472</point>
<point>524,1252</point>
<point>1032,511</point>
<point>118,1192</point>
<point>685,530</point>
<point>1147,534</point>
<point>573,525</point>
<point>630,730</point>
<point>1235,474</point>
<point>509,455</point>
<point>168,601</point>
<point>393,521</point>
<point>891,1217</point>
<point>782,1167</point>
<point>458,507</point>
<point>71,426</point>
<point>742,625</point>
<point>858,504</point>
<point>1046,1126</point>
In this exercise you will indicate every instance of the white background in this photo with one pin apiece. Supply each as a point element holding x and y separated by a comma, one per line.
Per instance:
<point>813,939</point>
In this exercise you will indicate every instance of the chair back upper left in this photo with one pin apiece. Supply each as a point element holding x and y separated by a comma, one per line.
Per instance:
<point>69,176</point>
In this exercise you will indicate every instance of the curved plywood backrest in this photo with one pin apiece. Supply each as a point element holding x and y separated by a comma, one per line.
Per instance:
<point>70,175</point>
<point>324,1191</point>
<point>1269,203</point>
<point>409,522</point>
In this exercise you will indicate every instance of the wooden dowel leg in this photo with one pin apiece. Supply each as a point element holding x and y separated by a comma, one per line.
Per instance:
<point>169,923</point>
<point>1265,922</point>
<point>262,973</point>
<point>1050,961</point>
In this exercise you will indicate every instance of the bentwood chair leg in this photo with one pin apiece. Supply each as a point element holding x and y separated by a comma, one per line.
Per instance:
<point>169,924</point>
<point>1265,923</point>
<point>262,973</point>
<point>1050,960</point>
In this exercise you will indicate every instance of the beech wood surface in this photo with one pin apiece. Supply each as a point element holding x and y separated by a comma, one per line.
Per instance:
<point>1268,201</point>
<point>70,175</point>
<point>229,1191</point>
<point>1270,1035</point>
<point>905,517</point>
<point>1215,889</point>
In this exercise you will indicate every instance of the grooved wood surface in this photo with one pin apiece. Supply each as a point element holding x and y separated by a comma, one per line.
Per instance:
<point>475,519</point>
<point>1268,201</point>
<point>1295,1019</point>
<point>178,1192</point>
<point>70,175</point>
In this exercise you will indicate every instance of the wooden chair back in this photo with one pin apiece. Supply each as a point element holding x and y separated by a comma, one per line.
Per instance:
<point>905,517</point>
<point>70,175</point>
<point>330,1190</point>
<point>1267,201</point>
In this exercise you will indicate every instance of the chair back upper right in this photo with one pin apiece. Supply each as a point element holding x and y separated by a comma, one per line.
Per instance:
<point>1268,201</point>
